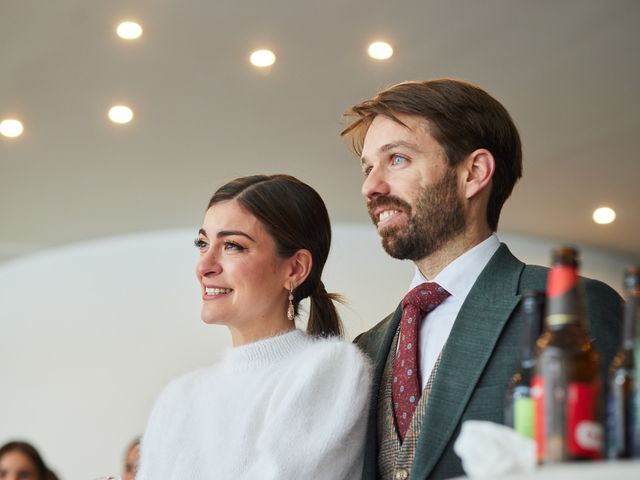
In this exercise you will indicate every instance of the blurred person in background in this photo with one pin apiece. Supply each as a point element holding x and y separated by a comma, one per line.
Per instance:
<point>131,459</point>
<point>21,461</point>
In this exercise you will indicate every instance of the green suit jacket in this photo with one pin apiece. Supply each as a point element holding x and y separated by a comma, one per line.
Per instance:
<point>480,357</point>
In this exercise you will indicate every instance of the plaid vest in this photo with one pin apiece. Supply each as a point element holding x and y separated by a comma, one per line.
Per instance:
<point>395,459</point>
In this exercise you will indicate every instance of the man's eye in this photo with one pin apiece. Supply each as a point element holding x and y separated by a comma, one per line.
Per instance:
<point>397,160</point>
<point>366,171</point>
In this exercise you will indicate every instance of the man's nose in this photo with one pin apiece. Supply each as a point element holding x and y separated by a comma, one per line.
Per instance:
<point>375,184</point>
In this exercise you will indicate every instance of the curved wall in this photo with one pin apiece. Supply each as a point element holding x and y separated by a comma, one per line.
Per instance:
<point>91,332</point>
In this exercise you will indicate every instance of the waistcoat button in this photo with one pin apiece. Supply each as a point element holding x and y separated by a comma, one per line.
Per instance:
<point>401,474</point>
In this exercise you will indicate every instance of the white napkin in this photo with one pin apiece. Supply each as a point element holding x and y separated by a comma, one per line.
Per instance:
<point>488,449</point>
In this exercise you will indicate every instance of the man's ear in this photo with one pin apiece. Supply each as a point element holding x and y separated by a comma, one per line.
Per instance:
<point>300,264</point>
<point>476,172</point>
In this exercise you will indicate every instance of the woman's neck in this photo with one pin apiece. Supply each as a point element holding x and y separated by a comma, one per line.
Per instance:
<point>259,331</point>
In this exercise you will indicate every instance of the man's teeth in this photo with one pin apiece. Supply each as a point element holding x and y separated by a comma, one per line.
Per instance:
<point>386,214</point>
<point>216,291</point>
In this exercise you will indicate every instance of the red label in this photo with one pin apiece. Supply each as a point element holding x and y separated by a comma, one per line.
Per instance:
<point>561,279</point>
<point>584,432</point>
<point>539,433</point>
<point>567,425</point>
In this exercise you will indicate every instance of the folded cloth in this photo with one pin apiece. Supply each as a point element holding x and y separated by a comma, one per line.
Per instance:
<point>488,449</point>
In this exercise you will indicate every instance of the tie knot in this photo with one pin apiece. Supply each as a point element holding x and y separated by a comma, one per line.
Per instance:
<point>425,297</point>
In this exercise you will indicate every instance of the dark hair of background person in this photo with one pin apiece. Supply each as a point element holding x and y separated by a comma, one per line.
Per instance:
<point>296,217</point>
<point>30,452</point>
<point>461,117</point>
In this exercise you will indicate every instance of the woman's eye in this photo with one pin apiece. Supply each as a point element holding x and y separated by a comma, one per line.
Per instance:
<point>200,244</point>
<point>231,246</point>
<point>397,160</point>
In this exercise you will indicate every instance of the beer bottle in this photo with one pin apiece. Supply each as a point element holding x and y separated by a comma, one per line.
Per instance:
<point>621,415</point>
<point>518,402</point>
<point>566,386</point>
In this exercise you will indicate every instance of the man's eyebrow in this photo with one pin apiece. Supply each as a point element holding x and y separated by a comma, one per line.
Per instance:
<point>400,143</point>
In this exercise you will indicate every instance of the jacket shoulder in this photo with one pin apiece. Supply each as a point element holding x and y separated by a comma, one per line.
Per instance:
<point>534,277</point>
<point>369,342</point>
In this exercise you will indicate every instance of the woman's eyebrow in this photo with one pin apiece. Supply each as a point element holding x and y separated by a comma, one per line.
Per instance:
<point>226,233</point>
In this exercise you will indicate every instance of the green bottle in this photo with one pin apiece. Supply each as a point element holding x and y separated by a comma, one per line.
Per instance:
<point>518,402</point>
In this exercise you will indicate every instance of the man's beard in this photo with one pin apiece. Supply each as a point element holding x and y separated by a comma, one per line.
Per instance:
<point>439,216</point>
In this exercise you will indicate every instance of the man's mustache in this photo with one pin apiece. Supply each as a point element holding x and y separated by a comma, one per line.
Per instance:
<point>388,201</point>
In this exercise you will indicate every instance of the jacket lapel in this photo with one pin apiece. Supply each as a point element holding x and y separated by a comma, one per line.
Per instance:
<point>380,343</point>
<point>468,349</point>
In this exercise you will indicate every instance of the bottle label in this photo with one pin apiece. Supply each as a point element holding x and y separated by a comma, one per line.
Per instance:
<point>584,432</point>
<point>523,416</point>
<point>565,423</point>
<point>614,422</point>
<point>539,431</point>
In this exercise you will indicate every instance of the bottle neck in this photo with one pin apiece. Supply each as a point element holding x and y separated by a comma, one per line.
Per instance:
<point>565,304</point>
<point>631,319</point>
<point>530,333</point>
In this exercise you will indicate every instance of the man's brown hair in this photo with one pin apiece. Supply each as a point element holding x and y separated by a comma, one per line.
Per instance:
<point>461,117</point>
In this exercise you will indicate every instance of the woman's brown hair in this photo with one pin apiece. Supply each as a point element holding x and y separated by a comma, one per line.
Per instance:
<point>296,218</point>
<point>34,456</point>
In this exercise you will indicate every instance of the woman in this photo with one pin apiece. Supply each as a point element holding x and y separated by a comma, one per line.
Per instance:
<point>21,461</point>
<point>282,404</point>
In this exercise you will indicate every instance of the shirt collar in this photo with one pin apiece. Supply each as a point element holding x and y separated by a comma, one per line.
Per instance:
<point>459,276</point>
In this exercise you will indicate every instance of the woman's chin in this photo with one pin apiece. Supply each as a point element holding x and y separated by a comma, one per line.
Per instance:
<point>209,319</point>
<point>212,321</point>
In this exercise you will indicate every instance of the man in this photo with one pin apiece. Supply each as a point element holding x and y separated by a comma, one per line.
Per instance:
<point>440,158</point>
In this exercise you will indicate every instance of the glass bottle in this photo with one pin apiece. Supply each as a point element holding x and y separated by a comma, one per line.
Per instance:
<point>622,391</point>
<point>567,385</point>
<point>518,402</point>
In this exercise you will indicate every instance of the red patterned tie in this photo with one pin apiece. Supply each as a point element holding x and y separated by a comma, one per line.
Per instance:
<point>406,388</point>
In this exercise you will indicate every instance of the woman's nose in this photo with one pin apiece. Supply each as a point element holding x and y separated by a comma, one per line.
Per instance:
<point>208,264</point>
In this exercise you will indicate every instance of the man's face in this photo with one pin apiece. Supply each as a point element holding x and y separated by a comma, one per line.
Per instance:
<point>412,194</point>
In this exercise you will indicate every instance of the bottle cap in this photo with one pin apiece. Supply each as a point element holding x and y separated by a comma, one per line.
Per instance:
<point>566,255</point>
<point>632,278</point>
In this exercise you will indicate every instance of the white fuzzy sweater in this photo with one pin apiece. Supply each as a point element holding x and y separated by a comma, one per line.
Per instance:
<point>287,407</point>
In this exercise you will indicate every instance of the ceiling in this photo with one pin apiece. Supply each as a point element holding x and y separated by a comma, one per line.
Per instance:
<point>568,71</point>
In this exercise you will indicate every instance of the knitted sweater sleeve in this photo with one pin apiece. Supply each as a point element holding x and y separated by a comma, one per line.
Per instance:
<point>152,441</point>
<point>159,457</point>
<point>316,420</point>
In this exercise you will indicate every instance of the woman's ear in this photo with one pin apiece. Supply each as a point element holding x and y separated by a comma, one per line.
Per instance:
<point>476,172</point>
<point>300,268</point>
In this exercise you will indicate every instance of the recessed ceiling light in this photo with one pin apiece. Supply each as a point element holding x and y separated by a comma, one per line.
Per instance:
<point>129,30</point>
<point>11,127</point>
<point>380,50</point>
<point>604,215</point>
<point>120,114</point>
<point>262,58</point>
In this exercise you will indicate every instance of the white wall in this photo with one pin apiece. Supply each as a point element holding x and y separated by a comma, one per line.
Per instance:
<point>90,333</point>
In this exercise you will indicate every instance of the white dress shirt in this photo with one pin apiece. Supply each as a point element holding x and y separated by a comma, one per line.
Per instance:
<point>457,278</point>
